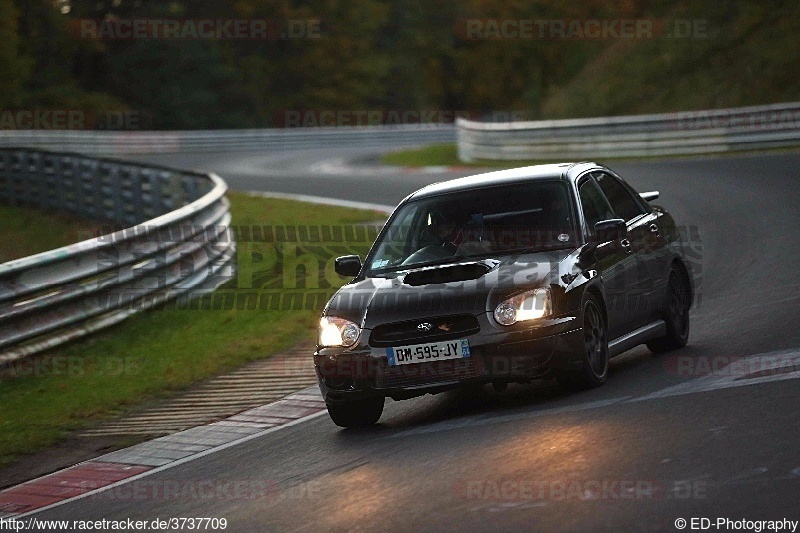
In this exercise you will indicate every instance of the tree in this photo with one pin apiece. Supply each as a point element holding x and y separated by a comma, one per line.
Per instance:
<point>15,68</point>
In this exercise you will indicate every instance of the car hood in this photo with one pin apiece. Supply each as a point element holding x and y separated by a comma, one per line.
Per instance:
<point>467,286</point>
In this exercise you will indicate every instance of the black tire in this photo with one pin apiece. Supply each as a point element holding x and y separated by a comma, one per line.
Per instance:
<point>356,413</point>
<point>675,312</point>
<point>594,364</point>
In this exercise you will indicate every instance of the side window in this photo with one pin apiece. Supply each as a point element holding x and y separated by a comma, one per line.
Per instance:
<point>624,205</point>
<point>595,207</point>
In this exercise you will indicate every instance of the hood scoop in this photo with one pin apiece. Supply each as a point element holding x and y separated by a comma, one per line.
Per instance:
<point>449,273</point>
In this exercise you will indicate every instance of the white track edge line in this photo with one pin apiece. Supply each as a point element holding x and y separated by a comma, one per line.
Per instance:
<point>387,209</point>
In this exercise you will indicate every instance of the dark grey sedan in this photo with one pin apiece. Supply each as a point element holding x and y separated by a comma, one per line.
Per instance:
<point>503,277</point>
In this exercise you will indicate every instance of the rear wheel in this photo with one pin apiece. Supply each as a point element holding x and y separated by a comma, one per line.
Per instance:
<point>675,313</point>
<point>356,413</point>
<point>594,364</point>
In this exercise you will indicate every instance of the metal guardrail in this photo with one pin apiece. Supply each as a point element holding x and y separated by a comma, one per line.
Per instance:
<point>141,142</point>
<point>685,133</point>
<point>175,240</point>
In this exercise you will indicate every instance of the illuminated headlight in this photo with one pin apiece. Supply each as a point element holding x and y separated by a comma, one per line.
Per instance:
<point>525,306</point>
<point>334,331</point>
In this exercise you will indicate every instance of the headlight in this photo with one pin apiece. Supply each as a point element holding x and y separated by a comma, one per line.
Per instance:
<point>334,331</point>
<point>528,305</point>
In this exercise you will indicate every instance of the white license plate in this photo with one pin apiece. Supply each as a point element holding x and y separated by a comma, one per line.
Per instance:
<point>430,351</point>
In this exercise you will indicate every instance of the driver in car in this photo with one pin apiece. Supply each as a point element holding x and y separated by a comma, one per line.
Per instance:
<point>443,231</point>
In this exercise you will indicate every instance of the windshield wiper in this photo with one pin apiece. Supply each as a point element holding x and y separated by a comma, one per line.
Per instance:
<point>534,249</point>
<point>411,266</point>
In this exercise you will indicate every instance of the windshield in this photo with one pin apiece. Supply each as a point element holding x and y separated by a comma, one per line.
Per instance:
<point>476,223</point>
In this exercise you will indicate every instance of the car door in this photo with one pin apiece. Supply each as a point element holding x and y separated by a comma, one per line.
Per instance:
<point>614,260</point>
<point>639,287</point>
<point>655,258</point>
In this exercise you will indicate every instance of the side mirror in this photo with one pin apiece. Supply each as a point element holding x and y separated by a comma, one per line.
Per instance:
<point>610,230</point>
<point>347,265</point>
<point>604,231</point>
<point>649,196</point>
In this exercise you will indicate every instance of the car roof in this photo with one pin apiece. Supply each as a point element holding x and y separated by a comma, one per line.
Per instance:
<point>564,171</point>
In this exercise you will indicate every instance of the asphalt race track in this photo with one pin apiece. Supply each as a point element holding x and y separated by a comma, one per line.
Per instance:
<point>664,439</point>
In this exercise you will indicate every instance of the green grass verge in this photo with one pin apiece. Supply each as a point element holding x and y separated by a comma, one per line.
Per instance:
<point>447,155</point>
<point>156,353</point>
<point>27,232</point>
<point>431,155</point>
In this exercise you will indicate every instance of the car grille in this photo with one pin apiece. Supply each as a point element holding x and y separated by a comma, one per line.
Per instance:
<point>433,372</point>
<point>403,333</point>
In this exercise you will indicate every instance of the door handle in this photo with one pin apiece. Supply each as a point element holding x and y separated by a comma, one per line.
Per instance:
<point>626,245</point>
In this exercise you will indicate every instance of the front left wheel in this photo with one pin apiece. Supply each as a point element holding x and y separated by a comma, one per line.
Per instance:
<point>594,363</point>
<point>356,413</point>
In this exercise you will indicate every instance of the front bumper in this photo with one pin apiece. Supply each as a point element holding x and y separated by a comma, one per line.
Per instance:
<point>517,353</point>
